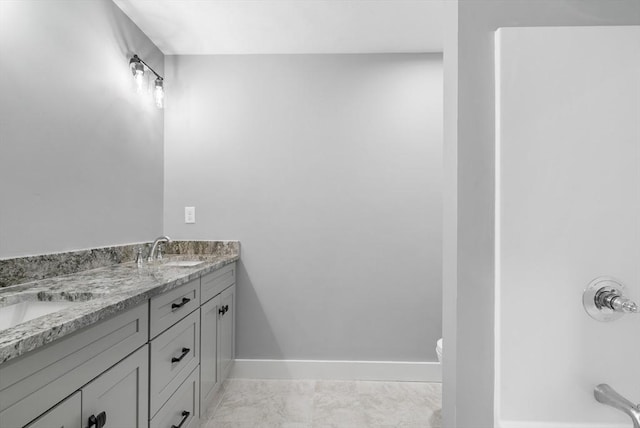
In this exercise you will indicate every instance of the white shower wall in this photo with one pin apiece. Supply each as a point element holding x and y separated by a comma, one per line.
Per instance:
<point>567,211</point>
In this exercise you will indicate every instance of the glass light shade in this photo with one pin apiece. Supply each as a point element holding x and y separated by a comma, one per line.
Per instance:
<point>158,93</point>
<point>137,69</point>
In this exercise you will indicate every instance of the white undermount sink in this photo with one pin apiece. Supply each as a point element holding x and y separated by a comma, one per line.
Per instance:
<point>184,263</point>
<point>18,313</point>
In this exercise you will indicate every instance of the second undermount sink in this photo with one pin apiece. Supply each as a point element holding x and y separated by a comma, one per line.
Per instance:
<point>184,263</point>
<point>18,313</point>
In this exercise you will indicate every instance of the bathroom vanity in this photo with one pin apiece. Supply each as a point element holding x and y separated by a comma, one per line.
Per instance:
<point>147,346</point>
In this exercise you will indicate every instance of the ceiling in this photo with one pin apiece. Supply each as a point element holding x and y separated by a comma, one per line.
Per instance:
<point>207,27</point>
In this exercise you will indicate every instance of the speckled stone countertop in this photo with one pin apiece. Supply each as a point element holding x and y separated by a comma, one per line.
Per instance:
<point>100,293</point>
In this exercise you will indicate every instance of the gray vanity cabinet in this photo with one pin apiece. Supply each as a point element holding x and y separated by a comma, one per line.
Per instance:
<point>119,394</point>
<point>38,381</point>
<point>141,368</point>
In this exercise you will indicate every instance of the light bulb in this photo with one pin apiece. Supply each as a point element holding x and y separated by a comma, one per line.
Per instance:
<point>138,72</point>
<point>159,93</point>
<point>139,77</point>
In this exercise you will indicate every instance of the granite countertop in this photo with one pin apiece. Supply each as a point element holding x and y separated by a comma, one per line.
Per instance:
<point>100,293</point>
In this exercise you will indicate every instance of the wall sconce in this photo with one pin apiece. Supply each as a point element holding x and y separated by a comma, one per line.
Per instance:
<point>137,69</point>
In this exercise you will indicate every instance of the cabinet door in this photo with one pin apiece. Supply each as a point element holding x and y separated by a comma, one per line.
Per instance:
<point>226,332</point>
<point>208,351</point>
<point>64,415</point>
<point>121,393</point>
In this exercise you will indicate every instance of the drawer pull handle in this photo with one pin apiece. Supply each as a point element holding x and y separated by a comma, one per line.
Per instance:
<point>185,300</point>
<point>223,309</point>
<point>185,351</point>
<point>98,421</point>
<point>185,415</point>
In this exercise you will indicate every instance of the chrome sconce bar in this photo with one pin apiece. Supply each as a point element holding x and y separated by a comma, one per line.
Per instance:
<point>138,66</point>
<point>604,300</point>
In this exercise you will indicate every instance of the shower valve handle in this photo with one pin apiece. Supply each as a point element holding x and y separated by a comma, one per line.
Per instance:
<point>612,299</point>
<point>605,299</point>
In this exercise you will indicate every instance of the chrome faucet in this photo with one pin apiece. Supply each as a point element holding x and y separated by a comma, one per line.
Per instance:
<point>158,240</point>
<point>607,395</point>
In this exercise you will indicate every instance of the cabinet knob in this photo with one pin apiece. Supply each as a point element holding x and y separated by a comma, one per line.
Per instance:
<point>98,421</point>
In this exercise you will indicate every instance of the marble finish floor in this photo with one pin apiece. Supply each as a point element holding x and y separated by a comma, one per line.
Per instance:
<point>325,404</point>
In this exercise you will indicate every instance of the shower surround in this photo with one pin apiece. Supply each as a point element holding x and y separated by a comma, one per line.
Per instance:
<point>567,211</point>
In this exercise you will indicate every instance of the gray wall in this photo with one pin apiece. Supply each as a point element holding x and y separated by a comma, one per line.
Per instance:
<point>81,154</point>
<point>473,274</point>
<point>328,169</point>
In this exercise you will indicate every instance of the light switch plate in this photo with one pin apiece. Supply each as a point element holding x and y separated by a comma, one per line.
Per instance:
<point>189,215</point>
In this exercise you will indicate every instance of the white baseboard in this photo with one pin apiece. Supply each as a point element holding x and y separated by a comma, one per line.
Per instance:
<point>337,370</point>
<point>532,424</point>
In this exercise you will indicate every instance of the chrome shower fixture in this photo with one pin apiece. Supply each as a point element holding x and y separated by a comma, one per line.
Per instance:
<point>604,394</point>
<point>604,300</point>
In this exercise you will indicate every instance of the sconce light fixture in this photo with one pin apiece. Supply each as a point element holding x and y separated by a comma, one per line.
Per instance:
<point>138,66</point>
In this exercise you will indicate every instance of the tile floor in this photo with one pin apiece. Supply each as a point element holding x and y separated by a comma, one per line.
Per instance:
<point>323,404</point>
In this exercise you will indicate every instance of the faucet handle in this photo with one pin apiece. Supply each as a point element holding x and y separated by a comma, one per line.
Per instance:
<point>615,300</point>
<point>139,257</point>
<point>605,299</point>
<point>623,304</point>
<point>160,248</point>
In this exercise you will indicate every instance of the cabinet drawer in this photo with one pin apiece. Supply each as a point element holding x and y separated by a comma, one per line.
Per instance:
<point>182,405</point>
<point>34,383</point>
<point>170,307</point>
<point>213,283</point>
<point>174,355</point>
<point>64,415</point>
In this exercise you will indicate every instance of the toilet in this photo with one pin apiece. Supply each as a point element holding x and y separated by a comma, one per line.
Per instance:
<point>439,349</point>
